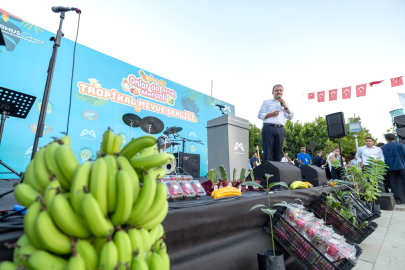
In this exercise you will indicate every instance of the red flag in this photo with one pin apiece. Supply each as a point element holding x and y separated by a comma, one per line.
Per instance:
<point>321,96</point>
<point>375,82</point>
<point>396,82</point>
<point>361,90</point>
<point>333,94</point>
<point>311,95</point>
<point>347,92</point>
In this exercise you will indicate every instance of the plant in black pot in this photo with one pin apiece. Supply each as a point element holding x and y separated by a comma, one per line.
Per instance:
<point>374,173</point>
<point>269,259</point>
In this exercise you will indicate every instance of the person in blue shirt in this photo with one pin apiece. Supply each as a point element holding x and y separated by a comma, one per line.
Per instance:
<point>303,157</point>
<point>394,156</point>
<point>253,160</point>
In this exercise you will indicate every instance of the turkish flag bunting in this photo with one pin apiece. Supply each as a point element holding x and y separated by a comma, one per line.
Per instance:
<point>396,82</point>
<point>321,96</point>
<point>333,94</point>
<point>376,82</point>
<point>347,92</point>
<point>311,95</point>
<point>361,90</point>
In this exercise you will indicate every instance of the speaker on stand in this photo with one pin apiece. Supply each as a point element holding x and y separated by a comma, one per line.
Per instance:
<point>400,128</point>
<point>336,128</point>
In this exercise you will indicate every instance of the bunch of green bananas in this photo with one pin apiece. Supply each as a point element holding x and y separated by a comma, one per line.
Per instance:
<point>94,215</point>
<point>298,184</point>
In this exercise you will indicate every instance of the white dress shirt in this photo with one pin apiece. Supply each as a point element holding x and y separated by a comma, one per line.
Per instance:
<point>272,105</point>
<point>284,159</point>
<point>364,153</point>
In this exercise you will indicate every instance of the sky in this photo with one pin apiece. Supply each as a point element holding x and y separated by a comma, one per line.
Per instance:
<point>246,47</point>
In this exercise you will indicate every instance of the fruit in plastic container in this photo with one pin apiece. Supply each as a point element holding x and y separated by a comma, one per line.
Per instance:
<point>346,252</point>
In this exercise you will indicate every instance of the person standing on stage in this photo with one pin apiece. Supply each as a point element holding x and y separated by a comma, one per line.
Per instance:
<point>304,158</point>
<point>394,154</point>
<point>274,112</point>
<point>369,150</point>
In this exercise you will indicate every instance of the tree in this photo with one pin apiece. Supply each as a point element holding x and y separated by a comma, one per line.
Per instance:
<point>255,139</point>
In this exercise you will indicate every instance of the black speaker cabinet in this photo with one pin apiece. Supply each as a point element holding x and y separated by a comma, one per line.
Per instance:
<point>190,163</point>
<point>313,174</point>
<point>399,120</point>
<point>281,171</point>
<point>336,125</point>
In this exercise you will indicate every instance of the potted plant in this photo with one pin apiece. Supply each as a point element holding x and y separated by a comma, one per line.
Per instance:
<point>276,258</point>
<point>374,173</point>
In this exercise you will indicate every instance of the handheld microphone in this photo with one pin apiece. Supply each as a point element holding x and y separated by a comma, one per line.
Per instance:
<point>64,9</point>
<point>281,103</point>
<point>220,106</point>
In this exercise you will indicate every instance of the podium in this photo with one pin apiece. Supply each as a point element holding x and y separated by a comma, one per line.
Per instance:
<point>228,144</point>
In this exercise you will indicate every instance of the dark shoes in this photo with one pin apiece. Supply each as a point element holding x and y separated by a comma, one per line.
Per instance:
<point>398,201</point>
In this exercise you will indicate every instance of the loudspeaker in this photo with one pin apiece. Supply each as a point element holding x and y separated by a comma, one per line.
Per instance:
<point>190,163</point>
<point>311,147</point>
<point>336,125</point>
<point>399,120</point>
<point>401,132</point>
<point>281,171</point>
<point>313,174</point>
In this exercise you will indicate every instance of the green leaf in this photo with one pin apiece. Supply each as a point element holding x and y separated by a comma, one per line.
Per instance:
<point>278,183</point>
<point>257,206</point>
<point>269,211</point>
<point>283,205</point>
<point>251,183</point>
<point>362,225</point>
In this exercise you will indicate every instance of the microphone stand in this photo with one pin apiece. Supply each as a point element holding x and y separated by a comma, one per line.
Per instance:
<point>51,68</point>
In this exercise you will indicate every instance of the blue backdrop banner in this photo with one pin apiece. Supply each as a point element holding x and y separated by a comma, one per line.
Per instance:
<point>104,89</point>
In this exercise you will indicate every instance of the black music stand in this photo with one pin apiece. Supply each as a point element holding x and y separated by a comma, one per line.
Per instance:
<point>15,104</point>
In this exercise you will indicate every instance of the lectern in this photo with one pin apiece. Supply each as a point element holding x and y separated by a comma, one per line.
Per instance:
<point>228,144</point>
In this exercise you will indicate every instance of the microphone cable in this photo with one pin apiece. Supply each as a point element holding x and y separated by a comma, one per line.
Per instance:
<point>73,69</point>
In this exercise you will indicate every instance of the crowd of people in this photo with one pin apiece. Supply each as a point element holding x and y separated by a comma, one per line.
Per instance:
<point>392,153</point>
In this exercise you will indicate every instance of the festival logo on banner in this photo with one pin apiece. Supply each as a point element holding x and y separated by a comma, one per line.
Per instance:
<point>48,108</point>
<point>47,128</point>
<point>144,86</point>
<point>85,154</point>
<point>88,134</point>
<point>90,115</point>
<point>124,138</point>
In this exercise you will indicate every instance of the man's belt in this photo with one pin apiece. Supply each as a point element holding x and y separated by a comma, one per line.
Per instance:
<point>273,125</point>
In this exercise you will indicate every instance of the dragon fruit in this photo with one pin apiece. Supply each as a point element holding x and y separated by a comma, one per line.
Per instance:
<point>302,218</point>
<point>282,235</point>
<point>334,245</point>
<point>188,192</point>
<point>348,252</point>
<point>312,227</point>
<point>198,189</point>
<point>321,237</point>
<point>174,190</point>
<point>291,213</point>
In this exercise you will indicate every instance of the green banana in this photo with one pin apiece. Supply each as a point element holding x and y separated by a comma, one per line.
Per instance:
<point>148,151</point>
<point>139,263</point>
<point>76,262</point>
<point>66,218</point>
<point>116,147</point>
<point>24,253</point>
<point>42,260</point>
<point>25,194</point>
<point>52,165</point>
<point>98,243</point>
<point>67,161</point>
<point>149,162</point>
<point>136,241</point>
<point>146,197</point>
<point>94,217</point>
<point>124,248</point>
<point>66,140</point>
<point>158,219</point>
<point>156,262</point>
<point>147,244</point>
<point>157,205</point>
<point>88,253</point>
<point>6,265</point>
<point>41,171</point>
<point>112,169</point>
<point>125,198</point>
<point>165,259</point>
<point>52,238</point>
<point>156,233</point>
<point>29,224</point>
<point>81,179</point>
<point>22,241</point>
<point>126,166</point>
<point>136,145</point>
<point>160,172</point>
<point>50,192</point>
<point>29,178</point>
<point>98,183</point>
<point>159,245</point>
<point>108,256</point>
<point>107,143</point>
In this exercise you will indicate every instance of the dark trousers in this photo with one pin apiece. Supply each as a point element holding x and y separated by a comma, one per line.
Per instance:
<point>393,175</point>
<point>336,173</point>
<point>273,139</point>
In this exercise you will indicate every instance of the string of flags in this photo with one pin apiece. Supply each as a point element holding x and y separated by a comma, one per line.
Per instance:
<point>347,91</point>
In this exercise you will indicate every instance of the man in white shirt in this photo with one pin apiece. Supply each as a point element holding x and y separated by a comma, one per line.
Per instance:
<point>369,150</point>
<point>274,112</point>
<point>286,158</point>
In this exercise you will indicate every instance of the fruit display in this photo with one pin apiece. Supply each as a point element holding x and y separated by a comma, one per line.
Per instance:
<point>174,189</point>
<point>94,215</point>
<point>348,251</point>
<point>198,189</point>
<point>309,184</point>
<point>301,220</point>
<point>188,191</point>
<point>225,192</point>
<point>293,211</point>
<point>298,184</point>
<point>312,227</point>
<point>321,237</point>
